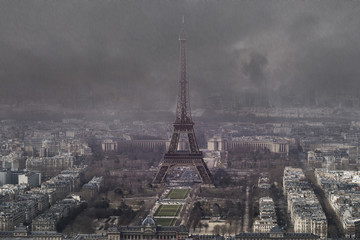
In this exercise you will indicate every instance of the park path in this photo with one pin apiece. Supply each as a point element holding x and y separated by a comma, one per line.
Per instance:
<point>246,215</point>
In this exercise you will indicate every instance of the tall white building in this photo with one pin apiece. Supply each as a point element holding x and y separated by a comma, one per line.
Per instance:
<point>32,178</point>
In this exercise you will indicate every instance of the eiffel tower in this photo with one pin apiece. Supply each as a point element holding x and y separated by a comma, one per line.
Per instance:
<point>183,124</point>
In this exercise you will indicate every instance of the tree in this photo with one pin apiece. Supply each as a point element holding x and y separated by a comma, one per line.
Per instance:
<point>222,178</point>
<point>206,226</point>
<point>200,225</point>
<point>195,215</point>
<point>216,210</point>
<point>231,227</point>
<point>119,192</point>
<point>101,204</point>
<point>216,230</point>
<point>237,226</point>
<point>223,230</point>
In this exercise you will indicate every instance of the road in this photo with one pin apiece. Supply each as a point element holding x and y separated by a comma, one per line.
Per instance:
<point>246,215</point>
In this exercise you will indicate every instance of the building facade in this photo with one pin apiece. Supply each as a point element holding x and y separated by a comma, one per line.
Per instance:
<point>267,218</point>
<point>306,213</point>
<point>147,231</point>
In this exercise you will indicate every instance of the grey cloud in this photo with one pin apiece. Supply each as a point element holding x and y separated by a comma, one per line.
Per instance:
<point>125,53</point>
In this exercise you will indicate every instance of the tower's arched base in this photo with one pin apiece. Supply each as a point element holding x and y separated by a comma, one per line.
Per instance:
<point>193,160</point>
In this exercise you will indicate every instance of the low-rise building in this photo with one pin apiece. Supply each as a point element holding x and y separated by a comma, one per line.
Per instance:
<point>342,191</point>
<point>147,230</point>
<point>11,215</point>
<point>48,220</point>
<point>90,189</point>
<point>108,145</point>
<point>275,235</point>
<point>305,210</point>
<point>264,181</point>
<point>44,222</point>
<point>22,232</point>
<point>50,166</point>
<point>267,218</point>
<point>273,144</point>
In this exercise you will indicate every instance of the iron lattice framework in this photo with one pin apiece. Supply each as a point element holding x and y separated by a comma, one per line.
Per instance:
<point>183,124</point>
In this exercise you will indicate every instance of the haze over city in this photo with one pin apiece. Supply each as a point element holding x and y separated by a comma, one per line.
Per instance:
<point>124,54</point>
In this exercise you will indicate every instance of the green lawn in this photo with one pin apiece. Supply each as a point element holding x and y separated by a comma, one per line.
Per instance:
<point>165,221</point>
<point>168,210</point>
<point>178,193</point>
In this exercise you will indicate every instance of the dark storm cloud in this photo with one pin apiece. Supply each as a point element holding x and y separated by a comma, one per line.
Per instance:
<point>254,69</point>
<point>125,53</point>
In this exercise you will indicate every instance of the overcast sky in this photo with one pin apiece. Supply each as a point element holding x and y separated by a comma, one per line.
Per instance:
<point>126,52</point>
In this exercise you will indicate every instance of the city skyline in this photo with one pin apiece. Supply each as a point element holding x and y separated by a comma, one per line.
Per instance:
<point>90,149</point>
